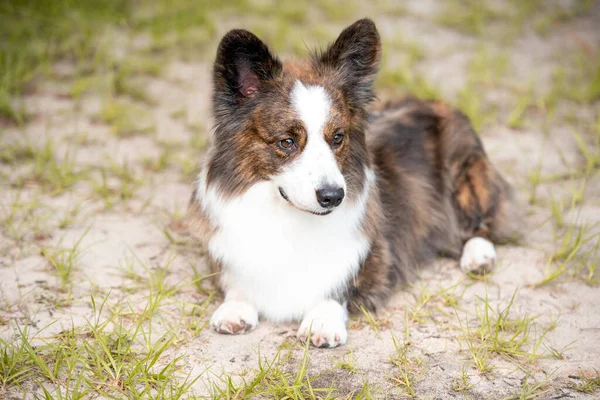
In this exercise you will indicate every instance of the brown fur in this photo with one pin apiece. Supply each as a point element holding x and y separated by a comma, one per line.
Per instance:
<point>437,190</point>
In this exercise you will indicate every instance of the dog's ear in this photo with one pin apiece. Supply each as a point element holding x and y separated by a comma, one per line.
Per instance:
<point>354,58</point>
<point>243,64</point>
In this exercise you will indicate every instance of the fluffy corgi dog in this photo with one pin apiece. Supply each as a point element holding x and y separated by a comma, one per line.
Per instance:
<point>311,207</point>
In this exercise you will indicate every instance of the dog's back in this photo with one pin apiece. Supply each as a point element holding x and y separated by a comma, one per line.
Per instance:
<point>437,189</point>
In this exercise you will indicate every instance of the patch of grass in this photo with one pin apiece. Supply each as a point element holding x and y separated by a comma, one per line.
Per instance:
<point>530,391</point>
<point>471,102</point>
<point>484,71</point>
<point>53,173</point>
<point>409,368</point>
<point>575,254</point>
<point>119,356</point>
<point>17,153</point>
<point>16,363</point>
<point>405,80</point>
<point>375,323</point>
<point>589,151</point>
<point>578,81</point>
<point>337,10</point>
<point>64,260</point>
<point>271,379</point>
<point>410,52</point>
<point>20,216</point>
<point>588,383</point>
<point>126,119</point>
<point>426,302</point>
<point>487,66</point>
<point>126,83</point>
<point>68,216</point>
<point>159,164</point>
<point>559,354</point>
<point>364,393</point>
<point>471,16</point>
<point>558,213</point>
<point>36,34</point>
<point>180,27</point>
<point>534,177</point>
<point>480,354</point>
<point>348,363</point>
<point>462,382</point>
<point>401,75</point>
<point>516,338</point>
<point>116,183</point>
<point>42,166</point>
<point>517,114</point>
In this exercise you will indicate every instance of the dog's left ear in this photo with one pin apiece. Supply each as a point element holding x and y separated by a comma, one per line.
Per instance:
<point>242,66</point>
<point>354,57</point>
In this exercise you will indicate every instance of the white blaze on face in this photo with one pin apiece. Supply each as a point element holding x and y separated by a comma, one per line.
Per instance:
<point>316,167</point>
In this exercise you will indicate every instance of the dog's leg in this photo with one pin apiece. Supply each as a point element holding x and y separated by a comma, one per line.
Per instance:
<point>485,207</point>
<point>235,316</point>
<point>326,323</point>
<point>478,256</point>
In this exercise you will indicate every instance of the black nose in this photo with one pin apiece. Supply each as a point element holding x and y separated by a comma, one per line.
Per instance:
<point>330,197</point>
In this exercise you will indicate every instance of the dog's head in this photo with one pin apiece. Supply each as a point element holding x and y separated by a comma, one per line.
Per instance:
<point>299,125</point>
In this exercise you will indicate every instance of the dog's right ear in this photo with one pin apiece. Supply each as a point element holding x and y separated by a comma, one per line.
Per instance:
<point>243,64</point>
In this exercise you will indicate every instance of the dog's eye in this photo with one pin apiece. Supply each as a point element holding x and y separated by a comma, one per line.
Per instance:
<point>337,139</point>
<point>287,144</point>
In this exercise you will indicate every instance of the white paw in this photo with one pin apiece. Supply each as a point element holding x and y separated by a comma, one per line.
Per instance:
<point>478,256</point>
<point>234,318</point>
<point>326,324</point>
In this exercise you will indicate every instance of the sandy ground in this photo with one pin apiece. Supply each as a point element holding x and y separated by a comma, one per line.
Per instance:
<point>125,250</point>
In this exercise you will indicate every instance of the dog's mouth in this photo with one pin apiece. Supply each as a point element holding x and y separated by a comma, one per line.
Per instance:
<point>286,198</point>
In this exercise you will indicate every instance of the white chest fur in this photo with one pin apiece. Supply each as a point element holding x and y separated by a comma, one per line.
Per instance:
<point>283,260</point>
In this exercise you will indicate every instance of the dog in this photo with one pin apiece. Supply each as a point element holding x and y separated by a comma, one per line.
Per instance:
<point>310,206</point>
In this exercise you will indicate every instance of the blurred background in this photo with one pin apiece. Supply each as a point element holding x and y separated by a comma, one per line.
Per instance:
<point>496,60</point>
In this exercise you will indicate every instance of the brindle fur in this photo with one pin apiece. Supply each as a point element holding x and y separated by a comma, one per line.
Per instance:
<point>435,187</point>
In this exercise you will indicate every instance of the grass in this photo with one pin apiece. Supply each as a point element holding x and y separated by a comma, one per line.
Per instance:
<point>409,368</point>
<point>576,248</point>
<point>17,360</point>
<point>515,338</point>
<point>517,114</point>
<point>38,33</point>
<point>408,81</point>
<point>115,184</point>
<point>485,71</point>
<point>21,215</point>
<point>470,17</point>
<point>462,382</point>
<point>578,81</point>
<point>121,355</point>
<point>126,119</point>
<point>475,18</point>
<point>588,383</point>
<point>375,323</point>
<point>270,379</point>
<point>531,391</point>
<point>64,260</point>
<point>45,167</point>
<point>348,363</point>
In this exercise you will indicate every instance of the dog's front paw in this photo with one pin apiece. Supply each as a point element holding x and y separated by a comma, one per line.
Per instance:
<point>234,318</point>
<point>478,256</point>
<point>326,324</point>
